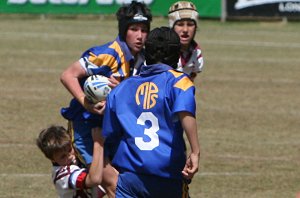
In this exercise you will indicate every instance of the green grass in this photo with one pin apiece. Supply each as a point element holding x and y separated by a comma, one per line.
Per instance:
<point>248,103</point>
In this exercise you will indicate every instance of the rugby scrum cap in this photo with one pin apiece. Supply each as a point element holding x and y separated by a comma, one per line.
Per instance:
<point>162,45</point>
<point>182,10</point>
<point>135,12</point>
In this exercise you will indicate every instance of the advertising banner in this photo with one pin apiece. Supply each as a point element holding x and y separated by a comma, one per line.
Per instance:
<point>62,6</point>
<point>263,8</point>
<point>158,7</point>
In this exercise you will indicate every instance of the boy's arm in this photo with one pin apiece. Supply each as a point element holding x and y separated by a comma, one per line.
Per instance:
<point>94,176</point>
<point>188,122</point>
<point>70,79</point>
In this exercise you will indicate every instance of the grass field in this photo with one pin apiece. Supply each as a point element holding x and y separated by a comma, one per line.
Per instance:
<point>248,103</point>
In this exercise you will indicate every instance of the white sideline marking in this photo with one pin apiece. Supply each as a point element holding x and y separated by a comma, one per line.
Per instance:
<point>86,37</point>
<point>17,145</point>
<point>32,69</point>
<point>259,59</point>
<point>39,70</point>
<point>24,175</point>
<point>47,35</point>
<point>42,52</point>
<point>255,158</point>
<point>280,45</point>
<point>259,32</point>
<point>280,111</point>
<point>250,80</point>
<point>226,174</point>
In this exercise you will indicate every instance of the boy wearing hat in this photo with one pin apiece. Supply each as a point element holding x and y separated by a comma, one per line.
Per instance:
<point>146,116</point>
<point>117,60</point>
<point>183,17</point>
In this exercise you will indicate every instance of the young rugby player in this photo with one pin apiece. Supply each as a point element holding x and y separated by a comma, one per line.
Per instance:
<point>146,116</point>
<point>118,60</point>
<point>69,178</point>
<point>183,18</point>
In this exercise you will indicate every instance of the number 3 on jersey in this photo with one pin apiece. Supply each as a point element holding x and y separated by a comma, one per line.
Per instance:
<point>150,132</point>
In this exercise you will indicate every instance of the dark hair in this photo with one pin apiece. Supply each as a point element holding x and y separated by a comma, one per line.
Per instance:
<point>128,14</point>
<point>52,140</point>
<point>162,45</point>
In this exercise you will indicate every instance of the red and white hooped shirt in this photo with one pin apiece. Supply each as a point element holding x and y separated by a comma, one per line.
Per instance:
<point>191,61</point>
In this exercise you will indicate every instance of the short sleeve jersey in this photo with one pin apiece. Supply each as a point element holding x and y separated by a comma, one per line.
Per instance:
<point>69,181</point>
<point>113,58</point>
<point>191,61</point>
<point>146,124</point>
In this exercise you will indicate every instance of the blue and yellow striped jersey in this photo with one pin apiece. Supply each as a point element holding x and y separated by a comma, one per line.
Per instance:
<point>141,117</point>
<point>113,58</point>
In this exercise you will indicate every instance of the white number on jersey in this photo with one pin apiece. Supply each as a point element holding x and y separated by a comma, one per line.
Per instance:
<point>150,132</point>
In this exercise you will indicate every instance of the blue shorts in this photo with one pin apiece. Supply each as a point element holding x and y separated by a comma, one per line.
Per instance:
<point>131,185</point>
<point>82,140</point>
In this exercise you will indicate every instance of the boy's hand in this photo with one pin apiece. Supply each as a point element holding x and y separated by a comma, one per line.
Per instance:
<point>114,81</point>
<point>97,108</point>
<point>191,166</point>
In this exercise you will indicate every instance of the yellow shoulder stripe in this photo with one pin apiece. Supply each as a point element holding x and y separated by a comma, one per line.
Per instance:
<point>116,47</point>
<point>109,60</point>
<point>125,67</point>
<point>176,73</point>
<point>184,83</point>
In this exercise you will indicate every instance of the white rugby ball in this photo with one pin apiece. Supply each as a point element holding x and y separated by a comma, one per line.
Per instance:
<point>96,88</point>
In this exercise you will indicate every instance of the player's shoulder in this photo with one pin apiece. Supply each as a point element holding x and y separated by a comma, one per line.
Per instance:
<point>180,80</point>
<point>65,170</point>
<point>99,49</point>
<point>178,75</point>
<point>175,73</point>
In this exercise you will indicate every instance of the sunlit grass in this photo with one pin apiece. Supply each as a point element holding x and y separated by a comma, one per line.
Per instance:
<point>248,105</point>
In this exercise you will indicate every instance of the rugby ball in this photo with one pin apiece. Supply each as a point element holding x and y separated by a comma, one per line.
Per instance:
<point>96,88</point>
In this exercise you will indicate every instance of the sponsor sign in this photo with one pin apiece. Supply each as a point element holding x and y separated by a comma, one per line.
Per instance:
<point>263,8</point>
<point>65,6</point>
<point>158,7</point>
<point>70,2</point>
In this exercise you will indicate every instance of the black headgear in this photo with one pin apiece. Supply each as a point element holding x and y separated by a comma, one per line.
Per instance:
<point>136,12</point>
<point>162,45</point>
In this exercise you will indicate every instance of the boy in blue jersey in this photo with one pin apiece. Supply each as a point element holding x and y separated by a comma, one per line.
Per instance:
<point>146,116</point>
<point>118,60</point>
